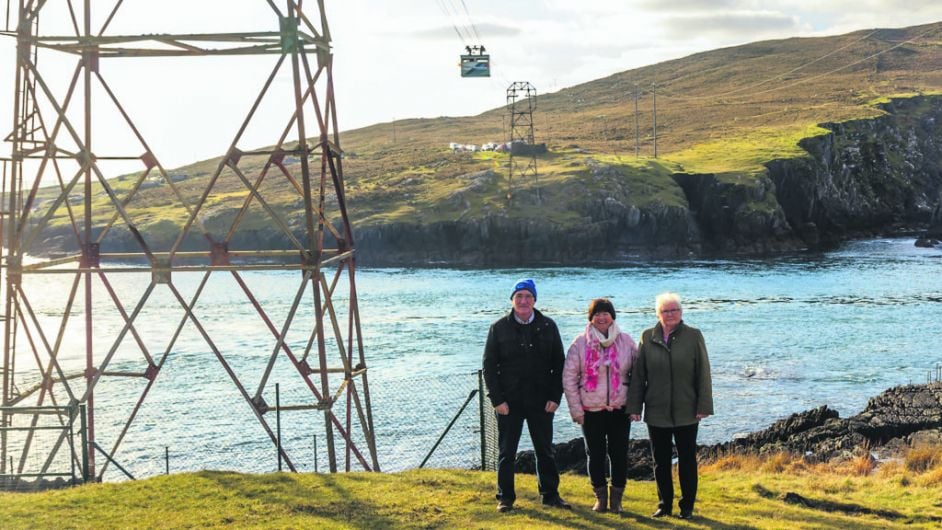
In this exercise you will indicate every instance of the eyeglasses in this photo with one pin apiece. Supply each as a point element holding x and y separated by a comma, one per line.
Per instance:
<point>669,311</point>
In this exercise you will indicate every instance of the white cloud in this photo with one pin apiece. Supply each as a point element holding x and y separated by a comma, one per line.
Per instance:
<point>400,59</point>
<point>733,25</point>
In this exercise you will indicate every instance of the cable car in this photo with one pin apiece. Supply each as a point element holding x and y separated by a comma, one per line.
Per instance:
<point>475,63</point>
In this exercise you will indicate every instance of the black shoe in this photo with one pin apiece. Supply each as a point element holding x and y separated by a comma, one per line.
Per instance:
<point>505,506</point>
<point>661,512</point>
<point>686,514</point>
<point>556,502</point>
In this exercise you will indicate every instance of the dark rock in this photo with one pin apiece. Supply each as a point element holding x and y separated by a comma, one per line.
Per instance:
<point>925,242</point>
<point>843,507</point>
<point>525,149</point>
<point>735,214</point>
<point>900,413</point>
<point>935,221</point>
<point>570,457</point>
<point>866,174</point>
<point>897,418</point>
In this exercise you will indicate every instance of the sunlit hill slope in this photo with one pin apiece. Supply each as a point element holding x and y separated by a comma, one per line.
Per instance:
<point>773,145</point>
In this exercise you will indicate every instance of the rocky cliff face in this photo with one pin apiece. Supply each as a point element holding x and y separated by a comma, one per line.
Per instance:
<point>865,174</point>
<point>862,178</point>
<point>608,226</point>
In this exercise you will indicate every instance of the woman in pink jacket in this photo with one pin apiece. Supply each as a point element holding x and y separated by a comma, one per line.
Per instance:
<point>595,379</point>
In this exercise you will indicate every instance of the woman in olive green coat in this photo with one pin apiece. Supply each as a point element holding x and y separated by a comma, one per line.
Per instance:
<point>671,378</point>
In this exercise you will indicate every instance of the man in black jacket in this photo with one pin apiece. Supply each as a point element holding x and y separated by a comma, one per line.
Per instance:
<point>523,366</point>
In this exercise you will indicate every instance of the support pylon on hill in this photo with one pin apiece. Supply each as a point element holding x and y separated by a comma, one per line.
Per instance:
<point>208,258</point>
<point>521,102</point>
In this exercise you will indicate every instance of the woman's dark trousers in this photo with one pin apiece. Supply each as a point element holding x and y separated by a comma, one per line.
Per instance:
<point>509,427</point>
<point>606,432</point>
<point>661,448</point>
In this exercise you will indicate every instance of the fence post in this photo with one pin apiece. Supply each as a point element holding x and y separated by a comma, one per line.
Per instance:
<point>72,410</point>
<point>278,421</point>
<point>166,459</point>
<point>85,448</point>
<point>315,452</point>
<point>481,419</point>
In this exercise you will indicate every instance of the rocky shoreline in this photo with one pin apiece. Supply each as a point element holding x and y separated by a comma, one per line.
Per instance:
<point>896,419</point>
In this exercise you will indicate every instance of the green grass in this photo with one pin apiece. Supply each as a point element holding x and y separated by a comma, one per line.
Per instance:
<point>747,152</point>
<point>734,493</point>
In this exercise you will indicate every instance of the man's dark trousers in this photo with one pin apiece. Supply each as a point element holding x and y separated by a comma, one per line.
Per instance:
<point>509,428</point>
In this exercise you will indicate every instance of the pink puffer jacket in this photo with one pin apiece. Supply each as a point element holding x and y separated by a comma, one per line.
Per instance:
<point>596,378</point>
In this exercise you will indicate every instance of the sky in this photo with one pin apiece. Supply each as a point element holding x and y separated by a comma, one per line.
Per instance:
<point>398,59</point>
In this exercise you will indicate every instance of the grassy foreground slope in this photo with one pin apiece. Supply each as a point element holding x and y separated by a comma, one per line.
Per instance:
<point>741,492</point>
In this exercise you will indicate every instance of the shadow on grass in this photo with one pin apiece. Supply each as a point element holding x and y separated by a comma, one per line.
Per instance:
<point>285,489</point>
<point>586,519</point>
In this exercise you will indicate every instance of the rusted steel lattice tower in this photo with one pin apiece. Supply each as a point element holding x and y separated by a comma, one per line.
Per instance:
<point>521,102</point>
<point>116,262</point>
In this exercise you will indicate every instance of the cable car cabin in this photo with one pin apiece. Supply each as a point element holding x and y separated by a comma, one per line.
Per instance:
<point>475,63</point>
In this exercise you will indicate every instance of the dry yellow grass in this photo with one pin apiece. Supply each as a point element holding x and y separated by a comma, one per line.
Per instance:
<point>923,458</point>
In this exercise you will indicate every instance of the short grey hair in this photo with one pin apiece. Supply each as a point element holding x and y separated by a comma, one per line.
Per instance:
<point>663,299</point>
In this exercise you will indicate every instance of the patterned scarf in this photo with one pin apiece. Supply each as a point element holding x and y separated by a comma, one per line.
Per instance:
<point>600,351</point>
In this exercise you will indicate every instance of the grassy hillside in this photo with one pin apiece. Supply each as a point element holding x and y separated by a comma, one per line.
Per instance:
<point>743,492</point>
<point>725,111</point>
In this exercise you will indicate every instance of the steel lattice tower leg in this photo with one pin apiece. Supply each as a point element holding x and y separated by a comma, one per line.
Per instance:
<point>54,141</point>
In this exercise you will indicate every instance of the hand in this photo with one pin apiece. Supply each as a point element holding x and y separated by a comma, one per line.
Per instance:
<point>551,406</point>
<point>580,420</point>
<point>701,416</point>
<point>503,409</point>
<point>634,417</point>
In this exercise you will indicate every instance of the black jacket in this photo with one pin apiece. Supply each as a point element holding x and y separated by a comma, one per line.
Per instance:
<point>523,363</point>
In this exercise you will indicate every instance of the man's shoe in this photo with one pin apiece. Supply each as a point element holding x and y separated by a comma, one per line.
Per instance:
<point>661,512</point>
<point>686,514</point>
<point>556,502</point>
<point>504,506</point>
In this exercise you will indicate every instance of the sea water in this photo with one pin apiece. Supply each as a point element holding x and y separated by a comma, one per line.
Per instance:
<point>784,334</point>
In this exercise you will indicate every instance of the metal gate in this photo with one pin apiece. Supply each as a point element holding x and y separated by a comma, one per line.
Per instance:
<point>49,446</point>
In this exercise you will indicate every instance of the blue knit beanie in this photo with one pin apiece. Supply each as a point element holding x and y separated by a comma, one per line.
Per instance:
<point>526,284</point>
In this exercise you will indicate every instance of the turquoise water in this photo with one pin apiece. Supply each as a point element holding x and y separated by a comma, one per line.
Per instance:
<point>785,334</point>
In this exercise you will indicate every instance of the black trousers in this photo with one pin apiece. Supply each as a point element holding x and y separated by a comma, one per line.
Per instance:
<point>605,432</point>
<point>509,428</point>
<point>661,449</point>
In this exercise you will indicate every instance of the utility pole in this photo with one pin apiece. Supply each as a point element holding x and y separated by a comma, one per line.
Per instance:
<point>637,127</point>
<point>654,95</point>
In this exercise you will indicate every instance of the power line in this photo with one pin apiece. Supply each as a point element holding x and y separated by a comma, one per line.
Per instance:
<point>470,20</point>
<point>801,81</point>
<point>770,79</point>
<point>450,16</point>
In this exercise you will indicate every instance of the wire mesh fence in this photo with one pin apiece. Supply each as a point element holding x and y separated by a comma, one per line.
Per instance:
<point>447,413</point>
<point>42,447</point>
<point>441,421</point>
